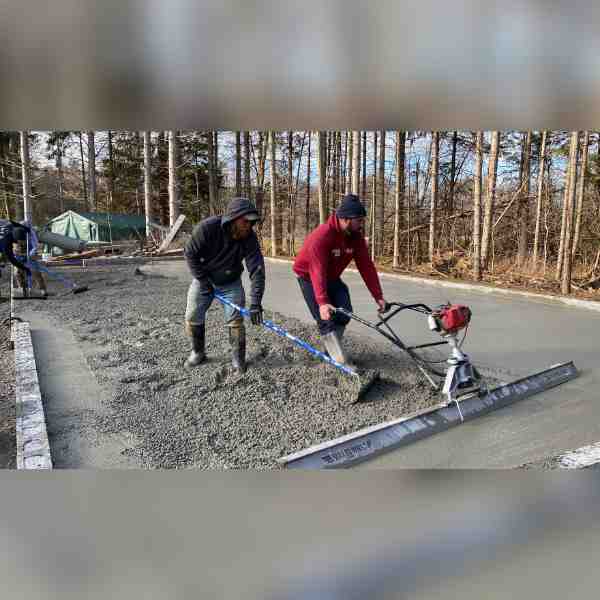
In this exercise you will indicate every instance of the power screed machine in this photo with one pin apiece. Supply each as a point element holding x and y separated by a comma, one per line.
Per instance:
<point>460,377</point>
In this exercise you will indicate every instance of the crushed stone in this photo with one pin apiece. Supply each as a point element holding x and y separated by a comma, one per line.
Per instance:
<point>210,417</point>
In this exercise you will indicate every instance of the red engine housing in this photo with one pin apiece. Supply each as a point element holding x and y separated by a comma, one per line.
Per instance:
<point>453,317</point>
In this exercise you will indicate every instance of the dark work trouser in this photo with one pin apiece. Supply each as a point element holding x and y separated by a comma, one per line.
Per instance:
<point>339,296</point>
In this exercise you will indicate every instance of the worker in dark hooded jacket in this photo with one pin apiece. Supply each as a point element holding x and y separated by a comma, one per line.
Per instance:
<point>214,255</point>
<point>11,233</point>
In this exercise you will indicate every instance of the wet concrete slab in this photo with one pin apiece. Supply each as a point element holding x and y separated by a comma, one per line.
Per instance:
<point>73,399</point>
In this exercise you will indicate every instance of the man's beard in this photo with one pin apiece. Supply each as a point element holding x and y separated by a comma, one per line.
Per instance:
<point>237,233</point>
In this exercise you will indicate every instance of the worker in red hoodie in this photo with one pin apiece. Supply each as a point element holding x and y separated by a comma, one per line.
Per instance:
<point>325,254</point>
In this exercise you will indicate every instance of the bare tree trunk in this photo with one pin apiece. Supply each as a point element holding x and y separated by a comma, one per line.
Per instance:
<point>14,173</point>
<point>27,212</point>
<point>546,211</point>
<point>247,182</point>
<point>295,193</point>
<point>162,163</point>
<point>373,207</point>
<point>477,207</point>
<point>147,182</point>
<point>538,207</point>
<point>350,178</point>
<point>216,167</point>
<point>83,180</point>
<point>565,286</point>
<point>344,165</point>
<point>364,166</point>
<point>333,169</point>
<point>60,176</point>
<point>139,161</point>
<point>400,157</point>
<point>273,195</point>
<point>290,190</point>
<point>212,200</point>
<point>238,164</point>
<point>4,182</point>
<point>453,172</point>
<point>435,148</point>
<point>111,162</point>
<point>356,162</point>
<point>92,170</point>
<point>321,174</point>
<point>341,170</point>
<point>174,207</point>
<point>580,191</point>
<point>381,196</point>
<point>331,172</point>
<point>308,182</point>
<point>490,197</point>
<point>563,228</point>
<point>328,178</point>
<point>260,183</point>
<point>408,212</point>
<point>524,203</point>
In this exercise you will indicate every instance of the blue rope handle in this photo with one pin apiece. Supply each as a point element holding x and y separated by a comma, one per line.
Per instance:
<point>283,333</point>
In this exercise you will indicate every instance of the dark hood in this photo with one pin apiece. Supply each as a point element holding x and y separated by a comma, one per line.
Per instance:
<point>239,207</point>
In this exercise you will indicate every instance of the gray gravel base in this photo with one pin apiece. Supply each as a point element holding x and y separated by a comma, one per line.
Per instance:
<point>210,417</point>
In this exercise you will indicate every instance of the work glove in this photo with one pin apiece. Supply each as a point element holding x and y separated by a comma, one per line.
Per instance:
<point>206,287</point>
<point>256,314</point>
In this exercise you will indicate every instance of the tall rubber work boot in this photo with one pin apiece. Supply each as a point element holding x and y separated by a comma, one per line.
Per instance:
<point>340,329</point>
<point>198,335</point>
<point>334,348</point>
<point>237,339</point>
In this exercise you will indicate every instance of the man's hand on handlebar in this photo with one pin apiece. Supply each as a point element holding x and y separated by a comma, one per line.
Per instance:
<point>325,311</point>
<point>383,306</point>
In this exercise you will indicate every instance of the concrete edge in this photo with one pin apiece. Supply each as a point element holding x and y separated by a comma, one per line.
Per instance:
<point>483,289</point>
<point>33,448</point>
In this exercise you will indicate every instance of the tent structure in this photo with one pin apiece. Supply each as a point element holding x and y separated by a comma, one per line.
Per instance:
<point>97,227</point>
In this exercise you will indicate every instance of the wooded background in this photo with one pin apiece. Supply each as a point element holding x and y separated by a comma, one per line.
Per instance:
<point>514,205</point>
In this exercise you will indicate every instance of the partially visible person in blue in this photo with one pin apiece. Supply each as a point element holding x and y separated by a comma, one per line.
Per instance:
<point>27,251</point>
<point>214,255</point>
<point>11,233</point>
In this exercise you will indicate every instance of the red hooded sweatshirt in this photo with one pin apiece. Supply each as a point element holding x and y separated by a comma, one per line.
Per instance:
<point>327,251</point>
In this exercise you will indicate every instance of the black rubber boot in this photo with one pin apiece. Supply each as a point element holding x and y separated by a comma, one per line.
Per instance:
<point>237,339</point>
<point>197,355</point>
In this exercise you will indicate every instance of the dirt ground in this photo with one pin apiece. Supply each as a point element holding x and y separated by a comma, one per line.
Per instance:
<point>8,451</point>
<point>210,417</point>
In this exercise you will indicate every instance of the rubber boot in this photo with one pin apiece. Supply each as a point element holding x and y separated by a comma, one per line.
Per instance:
<point>334,348</point>
<point>237,339</point>
<point>198,335</point>
<point>340,329</point>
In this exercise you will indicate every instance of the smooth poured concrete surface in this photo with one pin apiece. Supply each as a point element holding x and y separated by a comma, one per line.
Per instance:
<point>72,400</point>
<point>509,336</point>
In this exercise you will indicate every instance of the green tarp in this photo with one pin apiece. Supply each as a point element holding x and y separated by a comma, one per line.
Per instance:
<point>97,227</point>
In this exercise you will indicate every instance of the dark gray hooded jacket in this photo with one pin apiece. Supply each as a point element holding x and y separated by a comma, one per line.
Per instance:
<point>213,256</point>
<point>11,232</point>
